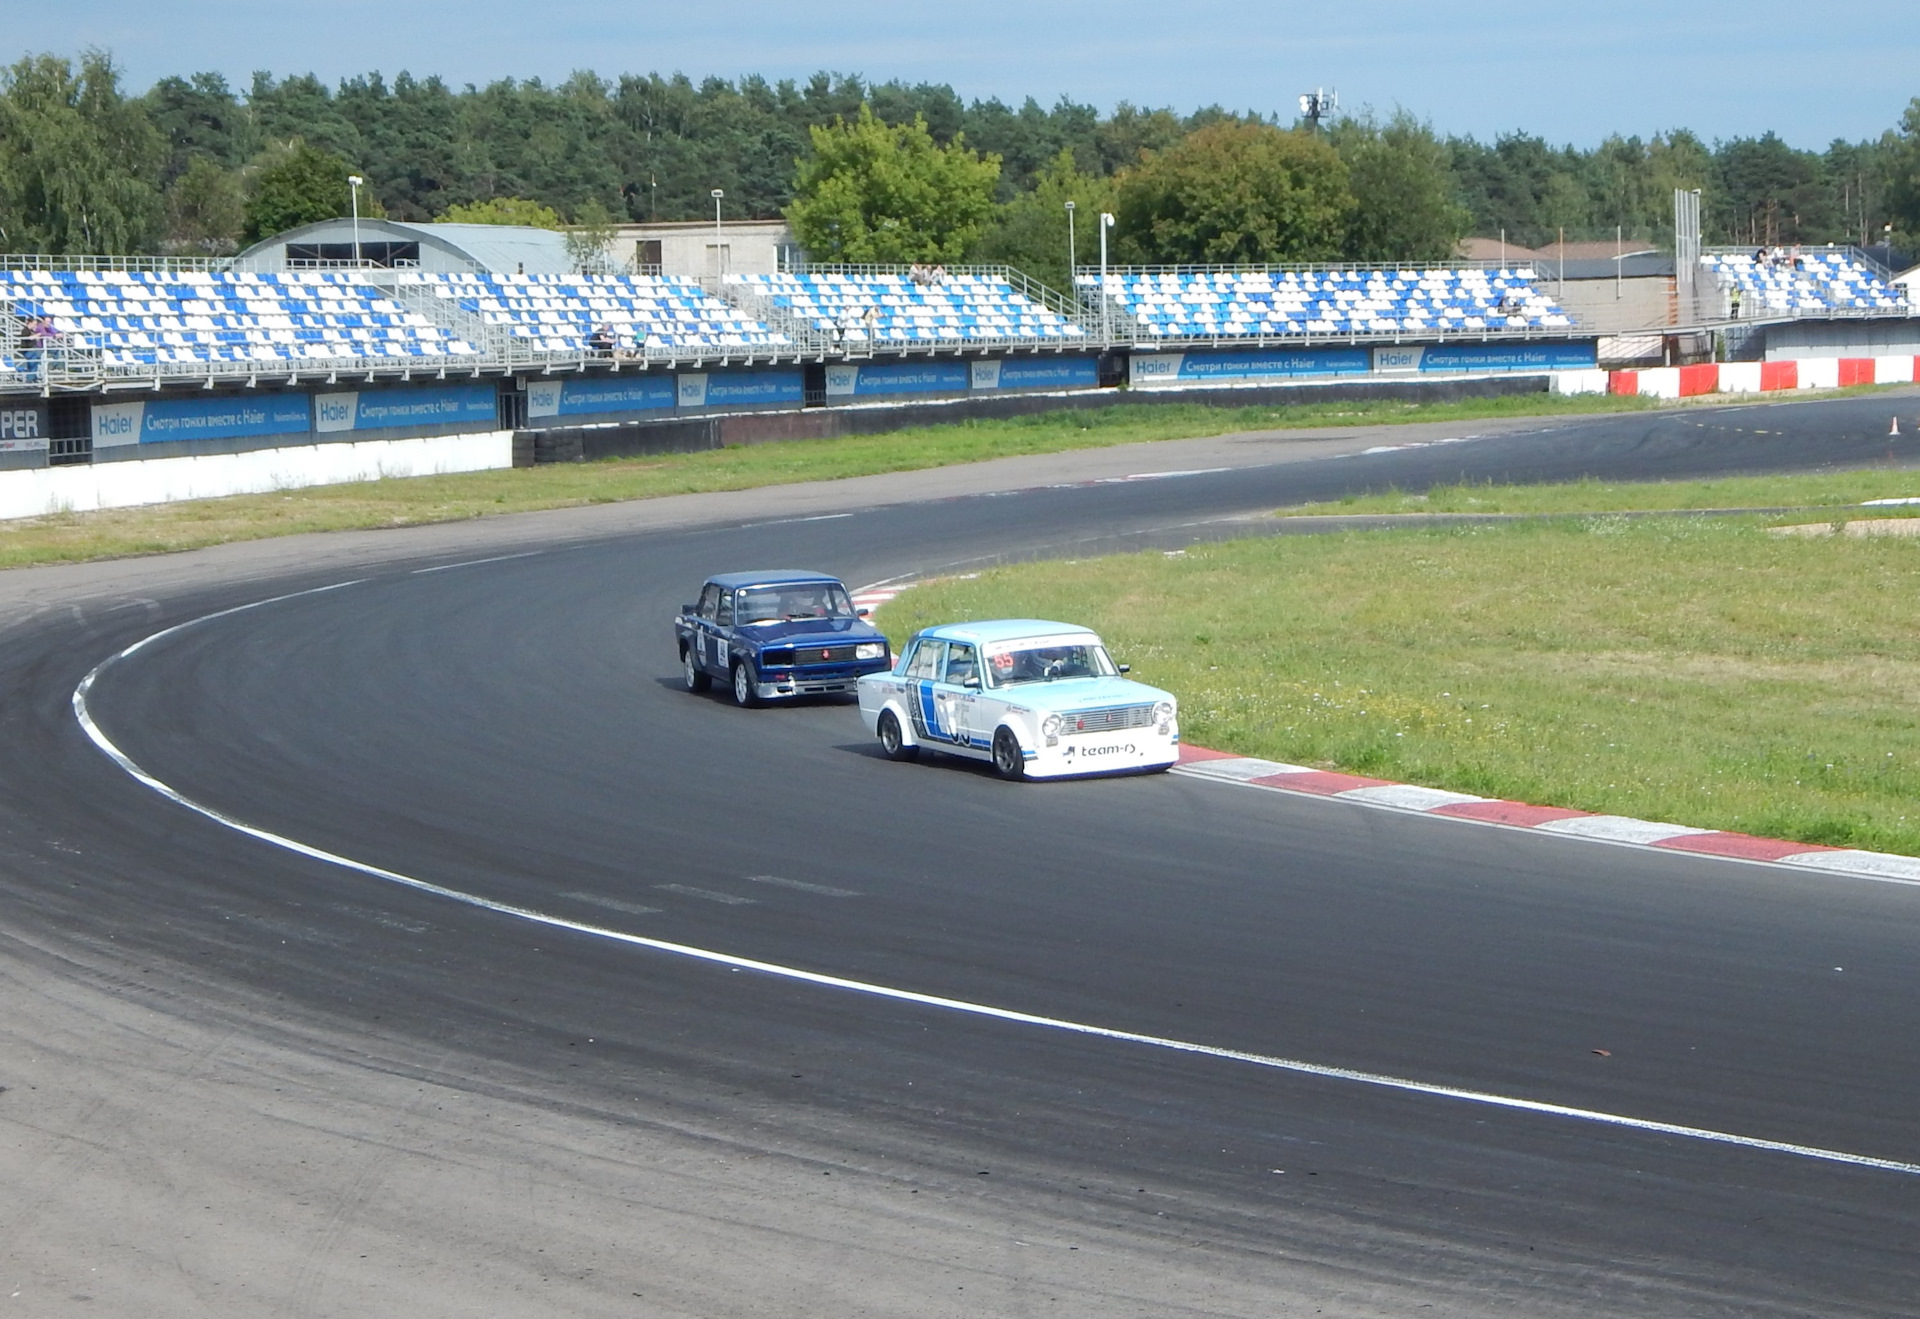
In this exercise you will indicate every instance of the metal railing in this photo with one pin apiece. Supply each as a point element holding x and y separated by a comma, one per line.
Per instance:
<point>1312,268</point>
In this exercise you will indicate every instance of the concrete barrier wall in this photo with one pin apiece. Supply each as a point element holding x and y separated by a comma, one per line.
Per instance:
<point>1756,377</point>
<point>31,492</point>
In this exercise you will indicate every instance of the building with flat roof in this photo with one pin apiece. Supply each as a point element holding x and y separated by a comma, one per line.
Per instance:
<point>700,249</point>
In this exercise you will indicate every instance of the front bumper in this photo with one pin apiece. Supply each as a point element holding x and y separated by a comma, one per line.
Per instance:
<point>816,679</point>
<point>1124,751</point>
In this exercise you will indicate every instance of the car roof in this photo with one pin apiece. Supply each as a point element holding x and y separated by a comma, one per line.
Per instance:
<point>992,631</point>
<point>769,577</point>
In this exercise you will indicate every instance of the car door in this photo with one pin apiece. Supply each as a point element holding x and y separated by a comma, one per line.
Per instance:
<point>957,695</point>
<point>703,639</point>
<point>925,669</point>
<point>720,647</point>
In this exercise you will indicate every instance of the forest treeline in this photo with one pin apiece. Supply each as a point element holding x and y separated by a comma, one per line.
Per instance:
<point>195,165</point>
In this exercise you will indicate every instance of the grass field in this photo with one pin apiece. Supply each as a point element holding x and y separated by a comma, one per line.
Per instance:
<point>1814,490</point>
<point>424,499</point>
<point>1698,671</point>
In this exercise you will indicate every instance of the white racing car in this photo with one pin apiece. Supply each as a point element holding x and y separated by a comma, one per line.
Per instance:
<point>1038,699</point>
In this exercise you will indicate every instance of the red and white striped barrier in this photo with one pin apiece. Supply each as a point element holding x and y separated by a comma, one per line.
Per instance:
<point>1763,377</point>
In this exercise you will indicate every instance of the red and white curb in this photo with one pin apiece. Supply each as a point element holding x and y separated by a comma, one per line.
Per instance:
<point>1223,766</point>
<point>1276,776</point>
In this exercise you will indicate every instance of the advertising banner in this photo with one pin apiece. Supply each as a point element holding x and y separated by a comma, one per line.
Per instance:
<point>1036,373</point>
<point>741,389</point>
<point>1214,365</point>
<point>1470,357</point>
<point>23,426</point>
<point>598,394</point>
<point>468,406</point>
<point>878,378</point>
<point>155,421</point>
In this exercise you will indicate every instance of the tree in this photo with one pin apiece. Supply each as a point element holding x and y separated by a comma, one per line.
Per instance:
<point>206,210</point>
<point>304,185</point>
<point>1405,208</point>
<point>1236,191</point>
<point>79,163</point>
<point>591,237</point>
<point>1903,175</point>
<point>871,191</point>
<point>504,210</point>
<point>1030,232</point>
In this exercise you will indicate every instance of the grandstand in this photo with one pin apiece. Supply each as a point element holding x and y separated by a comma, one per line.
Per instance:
<point>536,318</point>
<point>868,308</point>
<point>161,322</point>
<point>1261,303</point>
<point>1823,282</point>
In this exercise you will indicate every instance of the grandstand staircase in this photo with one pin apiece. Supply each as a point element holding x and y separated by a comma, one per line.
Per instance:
<point>752,300</point>
<point>493,341</point>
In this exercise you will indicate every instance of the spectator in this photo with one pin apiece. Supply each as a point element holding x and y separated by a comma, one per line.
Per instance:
<point>600,342</point>
<point>1733,301</point>
<point>937,276</point>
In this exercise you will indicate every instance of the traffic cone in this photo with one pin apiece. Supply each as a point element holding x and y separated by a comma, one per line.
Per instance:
<point>1896,427</point>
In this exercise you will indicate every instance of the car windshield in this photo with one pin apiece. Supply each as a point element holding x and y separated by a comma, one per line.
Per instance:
<point>781,604</point>
<point>1010,668</point>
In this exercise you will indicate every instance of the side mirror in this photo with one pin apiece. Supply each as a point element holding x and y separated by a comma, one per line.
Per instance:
<point>1126,668</point>
<point>971,682</point>
<point>689,610</point>
<point>863,613</point>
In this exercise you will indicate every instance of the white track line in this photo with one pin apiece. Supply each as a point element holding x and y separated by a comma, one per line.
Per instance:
<point>1291,1065</point>
<point>474,563</point>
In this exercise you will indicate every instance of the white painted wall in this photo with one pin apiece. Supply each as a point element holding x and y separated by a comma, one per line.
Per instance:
<point>1660,382</point>
<point>1819,373</point>
<point>1893,370</point>
<point>1592,380</point>
<point>1740,377</point>
<point>31,492</point>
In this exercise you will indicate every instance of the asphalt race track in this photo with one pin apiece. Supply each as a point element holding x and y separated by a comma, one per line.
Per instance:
<point>594,1026</point>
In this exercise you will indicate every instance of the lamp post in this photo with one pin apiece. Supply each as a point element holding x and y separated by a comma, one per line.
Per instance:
<point>1106,319</point>
<point>353,184</point>
<point>1070,251</point>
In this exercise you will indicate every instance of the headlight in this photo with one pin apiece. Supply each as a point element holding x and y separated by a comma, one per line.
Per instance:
<point>1050,726</point>
<point>870,650</point>
<point>1163,711</point>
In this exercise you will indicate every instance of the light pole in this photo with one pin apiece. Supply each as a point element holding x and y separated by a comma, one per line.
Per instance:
<point>353,184</point>
<point>1070,251</point>
<point>1106,319</point>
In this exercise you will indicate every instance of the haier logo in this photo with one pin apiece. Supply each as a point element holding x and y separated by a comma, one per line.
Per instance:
<point>335,412</point>
<point>693,390</point>
<point>543,399</point>
<point>1155,368</point>
<point>1397,359</point>
<point>117,423</point>
<point>986,375</point>
<point>842,379</point>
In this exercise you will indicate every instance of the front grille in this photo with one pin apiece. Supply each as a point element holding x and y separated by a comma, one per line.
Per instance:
<point>806,656</point>
<point>1107,720</point>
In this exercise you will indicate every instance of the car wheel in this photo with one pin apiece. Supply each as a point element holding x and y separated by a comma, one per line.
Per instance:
<point>892,742</point>
<point>697,679</point>
<point>744,693</point>
<point>1009,762</point>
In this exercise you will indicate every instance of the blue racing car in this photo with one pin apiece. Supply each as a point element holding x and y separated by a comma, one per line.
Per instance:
<point>777,634</point>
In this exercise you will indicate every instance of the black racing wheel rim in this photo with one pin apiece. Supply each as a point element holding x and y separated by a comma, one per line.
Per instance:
<point>1006,755</point>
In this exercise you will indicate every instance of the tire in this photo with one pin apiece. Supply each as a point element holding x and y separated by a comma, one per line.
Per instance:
<point>696,678</point>
<point>892,743</point>
<point>744,693</point>
<point>1009,762</point>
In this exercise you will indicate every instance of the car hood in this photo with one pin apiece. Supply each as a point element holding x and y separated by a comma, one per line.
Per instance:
<point>830,630</point>
<point>1066,695</point>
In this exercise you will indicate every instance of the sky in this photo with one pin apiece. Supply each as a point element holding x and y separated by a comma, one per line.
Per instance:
<point>1629,66</point>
